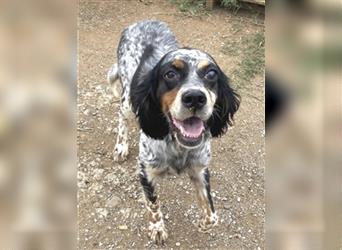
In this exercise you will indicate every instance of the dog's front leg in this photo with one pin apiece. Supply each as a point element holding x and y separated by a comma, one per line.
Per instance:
<point>157,230</point>
<point>201,180</point>
<point>121,147</point>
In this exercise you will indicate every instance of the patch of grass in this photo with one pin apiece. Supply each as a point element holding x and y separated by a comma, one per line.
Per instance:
<point>253,58</point>
<point>237,27</point>
<point>231,4</point>
<point>231,48</point>
<point>251,51</point>
<point>191,7</point>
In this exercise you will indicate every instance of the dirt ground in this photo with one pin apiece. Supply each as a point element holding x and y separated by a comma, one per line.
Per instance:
<point>111,212</point>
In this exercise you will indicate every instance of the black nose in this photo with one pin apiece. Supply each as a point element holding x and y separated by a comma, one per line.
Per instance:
<point>194,99</point>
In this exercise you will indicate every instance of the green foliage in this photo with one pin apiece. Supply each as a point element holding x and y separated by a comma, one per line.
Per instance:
<point>231,4</point>
<point>253,58</point>
<point>191,7</point>
<point>250,52</point>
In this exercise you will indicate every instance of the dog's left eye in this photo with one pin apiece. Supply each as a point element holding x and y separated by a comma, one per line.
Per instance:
<point>170,75</point>
<point>211,75</point>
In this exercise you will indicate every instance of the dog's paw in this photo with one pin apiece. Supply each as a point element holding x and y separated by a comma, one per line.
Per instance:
<point>120,152</point>
<point>157,232</point>
<point>207,223</point>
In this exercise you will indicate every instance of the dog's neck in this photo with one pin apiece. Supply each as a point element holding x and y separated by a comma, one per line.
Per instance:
<point>171,140</point>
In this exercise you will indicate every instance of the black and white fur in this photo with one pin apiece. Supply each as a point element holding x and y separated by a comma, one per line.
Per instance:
<point>181,99</point>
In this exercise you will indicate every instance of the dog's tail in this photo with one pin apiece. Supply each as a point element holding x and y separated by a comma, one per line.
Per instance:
<point>112,77</point>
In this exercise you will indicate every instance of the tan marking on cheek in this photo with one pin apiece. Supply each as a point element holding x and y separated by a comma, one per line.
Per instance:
<point>212,96</point>
<point>179,64</point>
<point>202,64</point>
<point>167,99</point>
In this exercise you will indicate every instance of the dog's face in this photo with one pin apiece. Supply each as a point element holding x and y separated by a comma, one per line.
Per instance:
<point>187,91</point>
<point>189,94</point>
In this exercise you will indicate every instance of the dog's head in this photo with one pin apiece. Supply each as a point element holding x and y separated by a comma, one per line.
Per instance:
<point>185,94</point>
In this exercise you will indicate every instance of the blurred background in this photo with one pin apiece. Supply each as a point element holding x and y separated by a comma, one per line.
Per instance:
<point>303,114</point>
<point>38,65</point>
<point>37,124</point>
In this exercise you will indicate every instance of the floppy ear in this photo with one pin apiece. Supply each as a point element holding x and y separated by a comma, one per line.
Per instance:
<point>227,103</point>
<point>146,106</point>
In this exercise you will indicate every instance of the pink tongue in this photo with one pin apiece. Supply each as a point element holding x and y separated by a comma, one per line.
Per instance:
<point>191,127</point>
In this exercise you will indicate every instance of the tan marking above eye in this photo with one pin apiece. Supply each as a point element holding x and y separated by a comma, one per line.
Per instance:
<point>167,99</point>
<point>179,64</point>
<point>202,64</point>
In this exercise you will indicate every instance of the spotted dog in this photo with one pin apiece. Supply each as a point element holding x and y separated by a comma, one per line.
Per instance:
<point>181,99</point>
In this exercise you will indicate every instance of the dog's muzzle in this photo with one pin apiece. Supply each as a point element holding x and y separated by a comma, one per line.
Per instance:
<point>194,99</point>
<point>190,132</point>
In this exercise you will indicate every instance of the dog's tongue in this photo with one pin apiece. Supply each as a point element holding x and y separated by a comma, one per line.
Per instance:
<point>191,127</point>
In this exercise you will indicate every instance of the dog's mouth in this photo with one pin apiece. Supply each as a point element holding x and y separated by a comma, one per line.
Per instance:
<point>190,132</point>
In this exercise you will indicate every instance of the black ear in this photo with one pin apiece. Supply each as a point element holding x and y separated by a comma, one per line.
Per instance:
<point>146,105</point>
<point>227,103</point>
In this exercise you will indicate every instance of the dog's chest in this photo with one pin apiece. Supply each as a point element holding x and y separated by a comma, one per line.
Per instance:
<point>169,154</point>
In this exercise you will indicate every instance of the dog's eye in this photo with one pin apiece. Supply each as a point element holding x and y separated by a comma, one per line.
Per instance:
<point>170,75</point>
<point>211,75</point>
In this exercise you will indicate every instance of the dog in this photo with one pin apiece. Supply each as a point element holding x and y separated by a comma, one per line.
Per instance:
<point>181,99</point>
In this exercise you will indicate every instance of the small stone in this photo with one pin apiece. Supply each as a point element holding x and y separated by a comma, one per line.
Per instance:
<point>123,227</point>
<point>98,174</point>
<point>225,206</point>
<point>177,244</point>
<point>113,202</point>
<point>102,212</point>
<point>96,187</point>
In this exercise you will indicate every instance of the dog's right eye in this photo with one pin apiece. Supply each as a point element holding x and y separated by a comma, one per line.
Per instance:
<point>170,75</point>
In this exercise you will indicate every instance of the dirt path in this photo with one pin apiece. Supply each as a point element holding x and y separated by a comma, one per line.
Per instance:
<point>111,214</point>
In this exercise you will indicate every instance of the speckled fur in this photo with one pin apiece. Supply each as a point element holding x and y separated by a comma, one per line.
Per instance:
<point>158,157</point>
<point>168,155</point>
